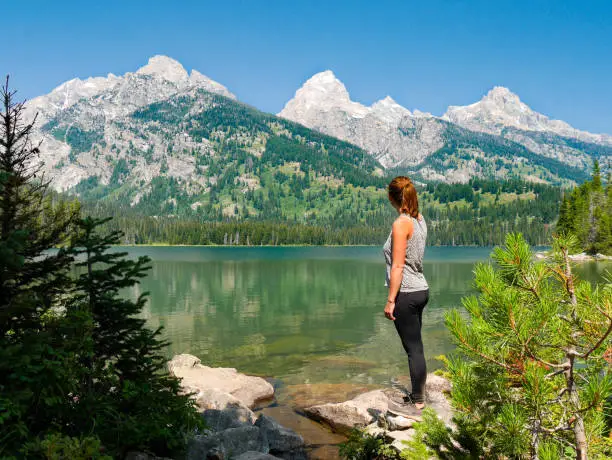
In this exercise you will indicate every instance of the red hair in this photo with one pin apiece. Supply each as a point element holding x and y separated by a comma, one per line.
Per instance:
<point>403,194</point>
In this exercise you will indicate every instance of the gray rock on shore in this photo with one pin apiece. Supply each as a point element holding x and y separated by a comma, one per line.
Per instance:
<point>370,412</point>
<point>252,455</point>
<point>357,412</point>
<point>197,377</point>
<point>266,437</point>
<point>369,407</point>
<point>225,398</point>
<point>221,410</point>
<point>581,257</point>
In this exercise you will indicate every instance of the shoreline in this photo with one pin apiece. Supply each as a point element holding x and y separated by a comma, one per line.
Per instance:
<point>294,246</point>
<point>580,257</point>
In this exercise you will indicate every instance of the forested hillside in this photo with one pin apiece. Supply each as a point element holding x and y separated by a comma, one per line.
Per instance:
<point>587,213</point>
<point>478,213</point>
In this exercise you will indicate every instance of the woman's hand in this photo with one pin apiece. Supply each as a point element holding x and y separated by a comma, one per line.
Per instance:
<point>389,308</point>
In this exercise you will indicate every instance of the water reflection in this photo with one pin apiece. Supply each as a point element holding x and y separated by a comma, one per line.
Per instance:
<point>302,318</point>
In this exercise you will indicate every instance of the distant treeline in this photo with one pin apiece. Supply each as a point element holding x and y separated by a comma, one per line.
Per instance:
<point>478,213</point>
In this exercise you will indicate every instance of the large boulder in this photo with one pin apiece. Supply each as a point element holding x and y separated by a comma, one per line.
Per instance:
<point>372,407</point>
<point>282,442</point>
<point>358,412</point>
<point>437,384</point>
<point>252,455</point>
<point>398,423</point>
<point>226,444</point>
<point>134,455</point>
<point>197,378</point>
<point>221,410</point>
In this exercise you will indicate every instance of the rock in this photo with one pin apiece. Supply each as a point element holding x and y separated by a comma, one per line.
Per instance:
<point>197,377</point>
<point>222,410</point>
<point>183,360</point>
<point>372,406</point>
<point>281,441</point>
<point>226,444</point>
<point>583,256</point>
<point>358,412</point>
<point>143,456</point>
<point>436,388</point>
<point>437,384</point>
<point>398,423</point>
<point>374,429</point>
<point>253,455</point>
<point>137,456</point>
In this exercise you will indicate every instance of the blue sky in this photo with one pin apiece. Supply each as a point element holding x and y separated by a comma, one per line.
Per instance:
<point>426,54</point>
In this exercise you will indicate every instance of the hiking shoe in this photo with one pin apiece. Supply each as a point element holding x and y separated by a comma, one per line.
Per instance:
<point>406,409</point>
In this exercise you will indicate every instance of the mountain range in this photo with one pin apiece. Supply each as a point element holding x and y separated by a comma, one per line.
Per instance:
<point>171,141</point>
<point>499,129</point>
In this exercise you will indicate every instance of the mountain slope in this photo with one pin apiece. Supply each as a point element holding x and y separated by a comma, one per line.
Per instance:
<point>165,143</point>
<point>501,112</point>
<point>527,142</point>
<point>77,118</point>
<point>500,108</point>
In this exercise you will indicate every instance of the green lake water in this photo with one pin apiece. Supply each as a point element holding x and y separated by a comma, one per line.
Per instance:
<point>299,314</point>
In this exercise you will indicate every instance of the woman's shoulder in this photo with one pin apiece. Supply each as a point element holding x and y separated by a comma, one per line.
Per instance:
<point>402,223</point>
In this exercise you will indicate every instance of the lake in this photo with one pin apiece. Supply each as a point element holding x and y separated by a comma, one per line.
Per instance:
<point>299,314</point>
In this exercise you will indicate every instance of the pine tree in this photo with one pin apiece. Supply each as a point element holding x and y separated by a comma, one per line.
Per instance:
<point>531,375</point>
<point>586,214</point>
<point>596,181</point>
<point>565,222</point>
<point>36,360</point>
<point>126,398</point>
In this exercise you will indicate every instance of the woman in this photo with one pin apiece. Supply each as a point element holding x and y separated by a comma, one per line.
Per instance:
<point>408,289</point>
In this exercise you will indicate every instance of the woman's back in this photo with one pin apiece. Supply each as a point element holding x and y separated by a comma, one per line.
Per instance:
<point>413,279</point>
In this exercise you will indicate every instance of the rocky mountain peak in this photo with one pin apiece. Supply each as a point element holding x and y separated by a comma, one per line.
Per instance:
<point>324,85</point>
<point>322,91</point>
<point>388,101</point>
<point>500,108</point>
<point>389,110</point>
<point>165,67</point>
<point>500,93</point>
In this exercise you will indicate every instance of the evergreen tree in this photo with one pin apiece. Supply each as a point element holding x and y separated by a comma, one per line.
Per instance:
<point>586,214</point>
<point>126,398</point>
<point>36,359</point>
<point>531,375</point>
<point>565,222</point>
<point>79,372</point>
<point>596,186</point>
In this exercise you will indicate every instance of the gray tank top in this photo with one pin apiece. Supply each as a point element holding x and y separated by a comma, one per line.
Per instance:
<point>412,279</point>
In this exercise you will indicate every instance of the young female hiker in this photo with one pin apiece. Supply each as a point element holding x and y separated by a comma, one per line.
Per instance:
<point>408,289</point>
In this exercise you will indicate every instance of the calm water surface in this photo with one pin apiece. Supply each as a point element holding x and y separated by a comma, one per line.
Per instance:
<point>299,314</point>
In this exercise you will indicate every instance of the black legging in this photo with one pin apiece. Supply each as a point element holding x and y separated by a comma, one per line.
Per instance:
<point>408,321</point>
